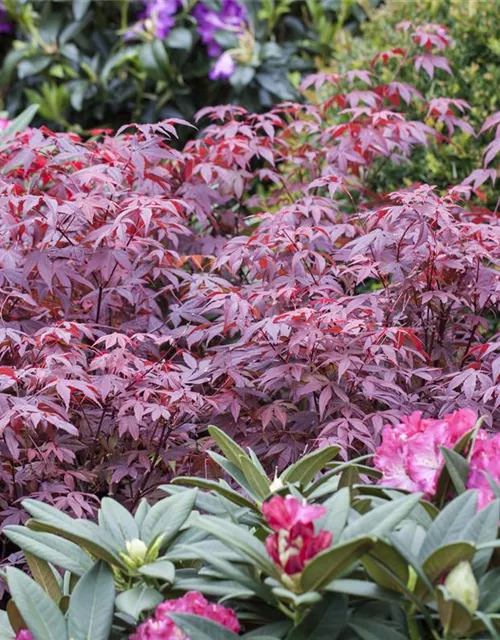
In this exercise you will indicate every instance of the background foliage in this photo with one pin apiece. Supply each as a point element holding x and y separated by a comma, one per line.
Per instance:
<point>74,59</point>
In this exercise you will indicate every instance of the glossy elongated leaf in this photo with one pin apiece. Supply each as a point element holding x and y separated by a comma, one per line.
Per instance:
<point>16,620</point>
<point>168,516</point>
<point>489,588</point>
<point>382,563</point>
<point>483,528</point>
<point>450,523</point>
<point>198,628</point>
<point>163,570</point>
<point>238,539</point>
<point>229,448</point>
<point>6,630</point>
<point>335,518</point>
<point>363,589</point>
<point>90,613</point>
<point>369,629</point>
<point>51,548</point>
<point>118,521</point>
<point>383,519</point>
<point>309,466</point>
<point>86,534</point>
<point>44,576</point>
<point>332,563</point>
<point>39,611</point>
<point>134,601</point>
<point>325,621</point>
<point>256,479</point>
<point>211,485</point>
<point>454,616</point>
<point>457,467</point>
<point>141,512</point>
<point>235,472</point>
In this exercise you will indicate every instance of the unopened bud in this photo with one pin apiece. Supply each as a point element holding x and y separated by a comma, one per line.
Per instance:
<point>462,586</point>
<point>136,550</point>
<point>276,484</point>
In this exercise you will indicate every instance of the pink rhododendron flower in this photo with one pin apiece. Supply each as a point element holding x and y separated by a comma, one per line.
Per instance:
<point>485,458</point>
<point>4,123</point>
<point>293,542</point>
<point>292,549</point>
<point>24,634</point>
<point>161,627</point>
<point>410,454</point>
<point>284,513</point>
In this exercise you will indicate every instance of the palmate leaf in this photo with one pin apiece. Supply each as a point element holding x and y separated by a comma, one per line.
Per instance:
<point>92,603</point>
<point>39,611</point>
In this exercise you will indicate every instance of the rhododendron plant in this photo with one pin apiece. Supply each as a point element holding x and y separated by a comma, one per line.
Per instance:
<point>161,627</point>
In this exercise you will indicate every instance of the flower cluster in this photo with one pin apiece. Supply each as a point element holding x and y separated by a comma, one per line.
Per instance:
<point>161,627</point>
<point>410,455</point>
<point>161,13</point>
<point>293,542</point>
<point>231,18</point>
<point>485,461</point>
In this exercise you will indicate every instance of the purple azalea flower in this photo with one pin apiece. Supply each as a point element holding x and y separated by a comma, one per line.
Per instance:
<point>223,68</point>
<point>231,17</point>
<point>5,24</point>
<point>161,13</point>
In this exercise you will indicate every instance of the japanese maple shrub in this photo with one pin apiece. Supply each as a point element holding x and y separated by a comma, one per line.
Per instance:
<point>255,279</point>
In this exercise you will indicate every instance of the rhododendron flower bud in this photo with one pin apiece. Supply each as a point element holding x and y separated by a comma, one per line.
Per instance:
<point>462,586</point>
<point>161,627</point>
<point>292,549</point>
<point>136,550</point>
<point>284,513</point>
<point>294,542</point>
<point>24,634</point>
